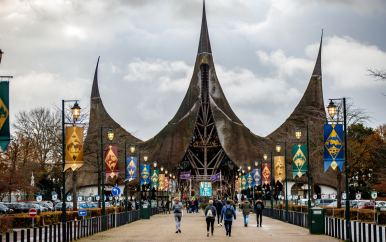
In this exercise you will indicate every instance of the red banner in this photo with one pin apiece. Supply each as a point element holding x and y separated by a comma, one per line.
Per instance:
<point>166,188</point>
<point>266,174</point>
<point>111,161</point>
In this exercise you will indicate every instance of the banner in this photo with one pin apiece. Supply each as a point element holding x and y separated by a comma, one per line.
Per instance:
<point>243,182</point>
<point>299,165</point>
<point>215,178</point>
<point>266,174</point>
<point>131,167</point>
<point>170,185</point>
<point>333,146</point>
<point>256,177</point>
<point>185,175</point>
<point>161,182</point>
<point>237,184</point>
<point>174,186</point>
<point>111,161</point>
<point>166,183</point>
<point>154,179</point>
<point>4,115</point>
<point>249,180</point>
<point>145,174</point>
<point>205,189</point>
<point>279,168</point>
<point>74,148</point>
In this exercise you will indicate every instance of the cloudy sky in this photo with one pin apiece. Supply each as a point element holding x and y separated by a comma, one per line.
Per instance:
<point>264,52</point>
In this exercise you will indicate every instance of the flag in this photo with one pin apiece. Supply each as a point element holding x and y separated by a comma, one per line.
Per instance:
<point>111,161</point>
<point>266,172</point>
<point>333,146</point>
<point>237,184</point>
<point>249,180</point>
<point>170,185</point>
<point>279,166</point>
<point>256,177</point>
<point>131,167</point>
<point>174,186</point>
<point>74,148</point>
<point>185,175</point>
<point>145,174</point>
<point>243,182</point>
<point>154,179</point>
<point>166,183</point>
<point>161,182</point>
<point>215,178</point>
<point>4,115</point>
<point>299,165</point>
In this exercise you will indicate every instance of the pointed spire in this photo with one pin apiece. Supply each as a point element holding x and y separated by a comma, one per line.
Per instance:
<point>204,45</point>
<point>95,89</point>
<point>318,64</point>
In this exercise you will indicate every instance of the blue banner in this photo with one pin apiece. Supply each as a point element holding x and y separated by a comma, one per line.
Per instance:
<point>205,189</point>
<point>145,174</point>
<point>333,146</point>
<point>249,180</point>
<point>170,185</point>
<point>131,167</point>
<point>256,177</point>
<point>215,177</point>
<point>185,175</point>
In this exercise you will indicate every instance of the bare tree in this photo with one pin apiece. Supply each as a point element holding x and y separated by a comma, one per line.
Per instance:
<point>379,75</point>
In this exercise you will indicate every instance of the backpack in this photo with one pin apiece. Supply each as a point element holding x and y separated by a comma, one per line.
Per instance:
<point>192,202</point>
<point>259,207</point>
<point>228,212</point>
<point>209,214</point>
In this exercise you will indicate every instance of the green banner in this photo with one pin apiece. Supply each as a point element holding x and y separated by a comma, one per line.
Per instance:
<point>154,179</point>
<point>299,165</point>
<point>249,180</point>
<point>4,115</point>
<point>243,182</point>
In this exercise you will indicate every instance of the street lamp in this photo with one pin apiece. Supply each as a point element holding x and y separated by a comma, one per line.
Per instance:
<point>265,156</point>
<point>145,157</point>
<point>155,164</point>
<point>75,113</point>
<point>278,149</point>
<point>162,168</point>
<point>110,134</point>
<point>332,111</point>
<point>256,162</point>
<point>249,167</point>
<point>298,134</point>
<point>132,147</point>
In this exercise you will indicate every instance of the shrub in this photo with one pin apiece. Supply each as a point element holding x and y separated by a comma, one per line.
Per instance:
<point>5,224</point>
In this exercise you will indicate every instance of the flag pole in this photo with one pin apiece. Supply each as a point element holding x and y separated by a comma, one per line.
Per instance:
<point>190,186</point>
<point>220,183</point>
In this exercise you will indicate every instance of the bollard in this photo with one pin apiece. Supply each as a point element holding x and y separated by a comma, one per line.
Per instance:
<point>21,236</point>
<point>58,232</point>
<point>50,232</point>
<point>369,231</point>
<point>355,231</point>
<point>14,236</point>
<point>375,233</point>
<point>380,233</point>
<point>69,224</point>
<point>45,234</point>
<point>360,232</point>
<point>7,237</point>
<point>67,231</point>
<point>79,229</point>
<point>28,235</point>
<point>35,234</point>
<point>54,232</point>
<point>364,231</point>
<point>74,230</point>
<point>40,233</point>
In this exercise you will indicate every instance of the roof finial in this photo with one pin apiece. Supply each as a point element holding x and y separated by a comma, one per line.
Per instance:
<point>95,89</point>
<point>318,64</point>
<point>204,45</point>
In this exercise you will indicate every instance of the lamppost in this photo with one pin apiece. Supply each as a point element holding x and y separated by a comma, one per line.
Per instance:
<point>248,190</point>
<point>332,111</point>
<point>278,149</point>
<point>271,186</point>
<point>167,191</point>
<point>110,135</point>
<point>298,134</point>
<point>75,113</point>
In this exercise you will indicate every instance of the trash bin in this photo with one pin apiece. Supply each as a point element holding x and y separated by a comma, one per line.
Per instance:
<point>145,211</point>
<point>317,220</point>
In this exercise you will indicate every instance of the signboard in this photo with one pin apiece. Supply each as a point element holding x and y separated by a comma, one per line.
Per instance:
<point>205,189</point>
<point>69,198</point>
<point>82,212</point>
<point>111,198</point>
<point>333,196</point>
<point>289,197</point>
<point>97,197</point>
<point>373,194</point>
<point>79,198</point>
<point>89,198</point>
<point>54,196</point>
<point>301,196</point>
<point>32,213</point>
<point>323,196</point>
<point>315,196</point>
<point>105,197</point>
<point>344,196</point>
<point>116,191</point>
<point>39,198</point>
<point>296,197</point>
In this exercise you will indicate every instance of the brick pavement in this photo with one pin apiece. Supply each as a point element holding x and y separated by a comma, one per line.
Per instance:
<point>193,226</point>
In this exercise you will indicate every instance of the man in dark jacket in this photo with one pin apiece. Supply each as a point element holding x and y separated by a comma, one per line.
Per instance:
<point>245,207</point>
<point>219,206</point>
<point>259,206</point>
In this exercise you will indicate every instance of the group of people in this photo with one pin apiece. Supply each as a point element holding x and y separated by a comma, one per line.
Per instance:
<point>224,211</point>
<point>192,205</point>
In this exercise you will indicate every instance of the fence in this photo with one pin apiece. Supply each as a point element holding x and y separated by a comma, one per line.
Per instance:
<point>335,227</point>
<point>74,229</point>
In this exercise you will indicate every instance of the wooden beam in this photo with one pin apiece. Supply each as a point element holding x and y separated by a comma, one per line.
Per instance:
<point>210,134</point>
<point>218,153</point>
<point>192,154</point>
<point>202,138</point>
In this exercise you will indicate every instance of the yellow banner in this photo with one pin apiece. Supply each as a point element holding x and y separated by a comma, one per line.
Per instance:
<point>279,168</point>
<point>161,185</point>
<point>74,148</point>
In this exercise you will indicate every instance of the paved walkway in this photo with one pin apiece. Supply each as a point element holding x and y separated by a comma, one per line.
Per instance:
<point>193,227</point>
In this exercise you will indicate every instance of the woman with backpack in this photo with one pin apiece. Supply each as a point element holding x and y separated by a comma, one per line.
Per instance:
<point>210,214</point>
<point>177,208</point>
<point>259,206</point>
<point>227,214</point>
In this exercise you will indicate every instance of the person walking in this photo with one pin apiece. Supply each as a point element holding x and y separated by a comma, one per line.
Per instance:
<point>188,205</point>
<point>227,214</point>
<point>177,209</point>
<point>196,205</point>
<point>219,206</point>
<point>167,206</point>
<point>210,214</point>
<point>246,207</point>
<point>259,206</point>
